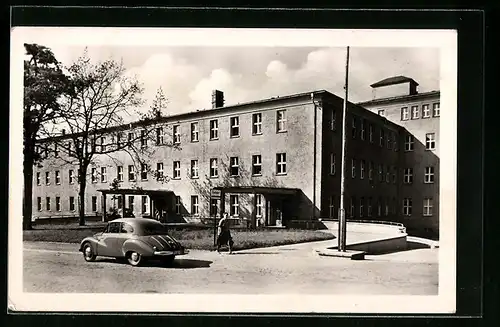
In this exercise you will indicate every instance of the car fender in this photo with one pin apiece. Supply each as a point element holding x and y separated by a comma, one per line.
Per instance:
<point>138,246</point>
<point>91,240</point>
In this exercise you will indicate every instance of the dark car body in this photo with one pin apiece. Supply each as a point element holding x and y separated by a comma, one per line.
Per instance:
<point>135,239</point>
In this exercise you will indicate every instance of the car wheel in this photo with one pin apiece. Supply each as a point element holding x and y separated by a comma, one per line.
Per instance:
<point>88,252</point>
<point>168,260</point>
<point>134,258</point>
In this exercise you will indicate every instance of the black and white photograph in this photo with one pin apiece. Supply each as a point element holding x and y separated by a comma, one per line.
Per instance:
<point>232,170</point>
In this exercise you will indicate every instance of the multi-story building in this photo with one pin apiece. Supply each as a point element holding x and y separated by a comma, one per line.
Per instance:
<point>398,100</point>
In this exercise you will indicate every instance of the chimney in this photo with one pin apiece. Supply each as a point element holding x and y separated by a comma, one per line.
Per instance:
<point>217,99</point>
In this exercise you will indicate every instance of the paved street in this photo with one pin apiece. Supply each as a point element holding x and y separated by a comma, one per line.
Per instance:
<point>52,267</point>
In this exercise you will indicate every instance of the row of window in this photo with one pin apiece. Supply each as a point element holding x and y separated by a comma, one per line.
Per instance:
<point>430,142</point>
<point>384,208</point>
<point>415,112</point>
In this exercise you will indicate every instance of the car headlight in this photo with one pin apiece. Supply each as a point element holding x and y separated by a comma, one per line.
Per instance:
<point>154,248</point>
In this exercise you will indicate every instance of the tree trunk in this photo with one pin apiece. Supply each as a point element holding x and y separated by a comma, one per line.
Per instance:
<point>81,194</point>
<point>28,192</point>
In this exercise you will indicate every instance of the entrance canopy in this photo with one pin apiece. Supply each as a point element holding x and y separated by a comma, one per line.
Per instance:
<point>135,191</point>
<point>258,190</point>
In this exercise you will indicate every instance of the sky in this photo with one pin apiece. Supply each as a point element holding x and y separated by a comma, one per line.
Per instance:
<point>187,74</point>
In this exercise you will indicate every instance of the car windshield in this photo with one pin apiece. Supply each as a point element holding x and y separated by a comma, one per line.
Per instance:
<point>153,228</point>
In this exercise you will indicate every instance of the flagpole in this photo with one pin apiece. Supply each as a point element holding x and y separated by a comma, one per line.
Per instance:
<point>342,218</point>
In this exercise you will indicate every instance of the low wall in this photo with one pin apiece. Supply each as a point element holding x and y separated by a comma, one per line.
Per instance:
<point>305,224</point>
<point>372,228</point>
<point>379,245</point>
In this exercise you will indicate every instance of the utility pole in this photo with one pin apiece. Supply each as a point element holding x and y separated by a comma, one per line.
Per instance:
<point>342,220</point>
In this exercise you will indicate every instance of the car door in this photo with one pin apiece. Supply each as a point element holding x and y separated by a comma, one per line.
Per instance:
<point>107,240</point>
<point>126,231</point>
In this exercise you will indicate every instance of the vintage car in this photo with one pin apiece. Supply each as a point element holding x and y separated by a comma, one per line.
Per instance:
<point>134,239</point>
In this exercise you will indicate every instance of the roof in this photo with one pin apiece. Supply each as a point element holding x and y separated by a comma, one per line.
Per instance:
<point>135,191</point>
<point>400,98</point>
<point>394,80</point>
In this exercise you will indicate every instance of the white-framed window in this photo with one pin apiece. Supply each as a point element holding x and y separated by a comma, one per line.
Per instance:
<point>370,170</point>
<point>428,206</point>
<point>430,141</point>
<point>332,163</point>
<point>353,168</point>
<point>353,128</point>
<point>407,206</point>
<point>58,203</point>
<point>47,203</point>
<point>195,205</point>
<point>331,207</point>
<point>370,133</point>
<point>235,166</point>
<point>213,207</point>
<point>194,169</point>
<point>405,114</point>
<point>415,113</point>
<point>333,120</point>
<point>178,205</point>
<point>176,134</point>
<point>144,139</point>
<point>235,126</point>
<point>394,174</point>
<point>257,123</point>
<point>56,152</point>
<point>429,175</point>
<point>72,203</point>
<point>38,182</point>
<point>257,165</point>
<point>159,170</point>
<point>426,111</point>
<point>39,203</point>
<point>281,121</point>
<point>93,175</point>
<point>409,142</point>
<point>435,109</point>
<point>94,204</point>
<point>214,129</point>
<point>381,139</point>
<point>362,169</point>
<point>379,207</point>
<point>119,173</point>
<point>145,204</point>
<point>408,175</point>
<point>159,135</point>
<point>47,178</point>
<point>380,173</point>
<point>119,137</point>
<point>58,177</point>
<point>103,144</point>
<point>144,172</point>
<point>352,210</point>
<point>361,207</point>
<point>130,138</point>
<point>389,140</point>
<point>369,207</point>
<point>259,205</point>
<point>214,168</point>
<point>131,173</point>
<point>362,130</point>
<point>386,211</point>
<point>194,132</point>
<point>104,177</point>
<point>395,142</point>
<point>381,112</point>
<point>131,202</point>
<point>177,170</point>
<point>387,175</point>
<point>235,205</point>
<point>281,163</point>
<point>71,176</point>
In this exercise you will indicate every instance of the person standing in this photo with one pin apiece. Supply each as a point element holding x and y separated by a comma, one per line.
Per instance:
<point>224,234</point>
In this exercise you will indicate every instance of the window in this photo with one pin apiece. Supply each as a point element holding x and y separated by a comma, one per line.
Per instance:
<point>213,207</point>
<point>370,133</point>
<point>177,170</point>
<point>58,203</point>
<point>426,112</point>
<point>404,113</point>
<point>103,144</point>
<point>281,121</point>
<point>39,203</point>
<point>435,109</point>
<point>144,204</point>
<point>408,176</point>
<point>131,173</point>
<point>407,206</point>
<point>387,175</point>
<point>159,171</point>
<point>429,175</point>
<point>389,140</point>
<point>281,163</point>
<point>38,178</point>
<point>259,205</point>
<point>131,203</point>
<point>177,134</point>
<point>177,205</point>
<point>126,228</point>
<point>47,203</point>
<point>194,132</point>
<point>47,177</point>
<point>94,203</point>
<point>381,140</point>
<point>380,173</point>
<point>379,207</point>
<point>94,175</point>
<point>428,206</point>
<point>119,139</point>
<point>235,205</point>
<point>103,175</point>
<point>144,171</point>
<point>194,169</point>
<point>333,120</point>
<point>234,161</point>
<point>214,170</point>
<point>353,129</point>
<point>386,211</point>
<point>362,169</point>
<point>394,174</point>
<point>235,126</point>
<point>256,165</point>
<point>119,176</point>
<point>353,207</point>
<point>257,124</point>
<point>56,152</point>
<point>381,112</point>
<point>409,142</point>
<point>159,135</point>
<point>415,114</point>
<point>144,139</point>
<point>58,177</point>
<point>214,129</point>
<point>195,205</point>
<point>120,202</point>
<point>430,141</point>
<point>363,130</point>
<point>332,164</point>
<point>71,176</point>
<point>369,205</point>
<point>113,228</point>
<point>361,207</point>
<point>331,207</point>
<point>353,168</point>
<point>72,203</point>
<point>370,170</point>
<point>130,138</point>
